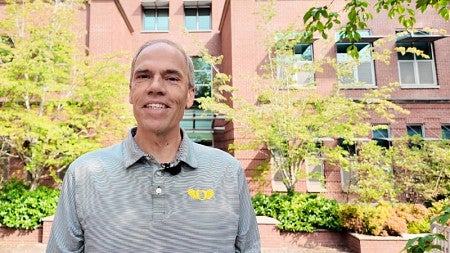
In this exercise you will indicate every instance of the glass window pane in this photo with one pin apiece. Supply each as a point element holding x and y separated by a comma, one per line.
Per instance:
<point>446,132</point>
<point>163,19</point>
<point>425,72</point>
<point>303,52</point>
<point>200,64</point>
<point>190,18</point>
<point>407,73</point>
<point>202,91</point>
<point>380,134</point>
<point>414,130</point>
<point>149,19</point>
<point>426,48</point>
<point>365,73</point>
<point>342,48</point>
<point>202,77</point>
<point>406,56</point>
<point>204,19</point>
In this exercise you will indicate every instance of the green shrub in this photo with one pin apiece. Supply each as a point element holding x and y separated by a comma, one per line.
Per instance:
<point>25,209</point>
<point>298,212</point>
<point>385,218</point>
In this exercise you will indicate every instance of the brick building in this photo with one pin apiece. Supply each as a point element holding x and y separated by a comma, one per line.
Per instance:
<point>229,28</point>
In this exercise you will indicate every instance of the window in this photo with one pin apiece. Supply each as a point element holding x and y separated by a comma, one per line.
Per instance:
<point>155,15</point>
<point>156,19</point>
<point>199,124</point>
<point>382,136</point>
<point>415,130</point>
<point>302,63</point>
<point>315,175</point>
<point>349,179</point>
<point>416,69</point>
<point>202,78</point>
<point>197,15</point>
<point>356,72</point>
<point>445,132</point>
<point>6,44</point>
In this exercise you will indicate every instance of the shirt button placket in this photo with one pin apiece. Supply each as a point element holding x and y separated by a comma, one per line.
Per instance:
<point>158,195</point>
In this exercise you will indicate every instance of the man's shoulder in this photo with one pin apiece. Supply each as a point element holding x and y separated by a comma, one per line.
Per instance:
<point>210,154</point>
<point>111,154</point>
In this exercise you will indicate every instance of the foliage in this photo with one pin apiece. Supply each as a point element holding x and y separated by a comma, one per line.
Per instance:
<point>407,168</point>
<point>320,19</point>
<point>296,119</point>
<point>298,212</point>
<point>422,168</point>
<point>384,218</point>
<point>374,179</point>
<point>57,103</point>
<point>25,209</point>
<point>427,243</point>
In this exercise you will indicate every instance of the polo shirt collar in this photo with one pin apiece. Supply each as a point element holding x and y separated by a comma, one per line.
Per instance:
<point>186,152</point>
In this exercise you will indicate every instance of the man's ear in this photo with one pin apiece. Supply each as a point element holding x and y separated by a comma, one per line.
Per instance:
<point>190,97</point>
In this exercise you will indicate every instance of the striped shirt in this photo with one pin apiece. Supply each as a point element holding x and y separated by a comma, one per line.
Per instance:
<point>119,199</point>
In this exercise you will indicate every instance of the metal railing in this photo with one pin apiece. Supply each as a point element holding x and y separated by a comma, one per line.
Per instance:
<point>437,228</point>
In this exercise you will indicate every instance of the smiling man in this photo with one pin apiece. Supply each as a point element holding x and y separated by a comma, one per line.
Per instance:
<point>156,191</point>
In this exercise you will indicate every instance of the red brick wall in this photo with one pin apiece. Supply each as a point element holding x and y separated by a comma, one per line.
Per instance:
<point>14,236</point>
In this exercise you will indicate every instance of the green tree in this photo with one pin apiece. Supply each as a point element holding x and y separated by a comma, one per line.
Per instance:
<point>320,19</point>
<point>422,169</point>
<point>292,122</point>
<point>57,103</point>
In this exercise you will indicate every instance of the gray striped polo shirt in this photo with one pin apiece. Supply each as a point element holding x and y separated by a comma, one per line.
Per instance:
<point>119,199</point>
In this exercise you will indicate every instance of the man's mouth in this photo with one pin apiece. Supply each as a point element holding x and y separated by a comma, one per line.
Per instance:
<point>155,106</point>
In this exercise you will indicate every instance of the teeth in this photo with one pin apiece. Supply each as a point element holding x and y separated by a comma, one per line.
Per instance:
<point>155,106</point>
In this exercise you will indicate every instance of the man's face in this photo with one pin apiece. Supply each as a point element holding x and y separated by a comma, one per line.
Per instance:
<point>159,90</point>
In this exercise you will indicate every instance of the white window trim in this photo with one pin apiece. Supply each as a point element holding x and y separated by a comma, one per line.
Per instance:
<point>416,73</point>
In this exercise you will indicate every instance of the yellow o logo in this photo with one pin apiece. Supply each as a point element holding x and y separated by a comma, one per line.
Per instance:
<point>199,194</point>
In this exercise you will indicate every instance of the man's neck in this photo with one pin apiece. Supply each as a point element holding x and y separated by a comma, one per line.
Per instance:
<point>163,147</point>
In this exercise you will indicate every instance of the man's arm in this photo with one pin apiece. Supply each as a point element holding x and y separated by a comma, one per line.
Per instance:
<point>247,239</point>
<point>66,234</point>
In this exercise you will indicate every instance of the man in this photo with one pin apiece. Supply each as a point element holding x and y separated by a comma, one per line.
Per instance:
<point>156,191</point>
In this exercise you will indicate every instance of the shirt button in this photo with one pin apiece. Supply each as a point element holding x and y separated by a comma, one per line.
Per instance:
<point>158,190</point>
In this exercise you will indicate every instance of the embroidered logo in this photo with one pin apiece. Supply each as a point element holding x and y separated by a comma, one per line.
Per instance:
<point>200,194</point>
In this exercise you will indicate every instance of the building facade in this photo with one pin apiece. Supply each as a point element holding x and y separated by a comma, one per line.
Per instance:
<point>230,28</point>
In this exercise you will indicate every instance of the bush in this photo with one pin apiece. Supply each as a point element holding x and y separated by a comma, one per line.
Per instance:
<point>298,212</point>
<point>24,209</point>
<point>384,218</point>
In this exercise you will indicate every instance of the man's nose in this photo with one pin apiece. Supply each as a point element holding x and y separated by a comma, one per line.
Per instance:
<point>156,85</point>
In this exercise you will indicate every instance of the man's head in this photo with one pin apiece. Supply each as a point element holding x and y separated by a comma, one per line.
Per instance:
<point>187,59</point>
<point>161,87</point>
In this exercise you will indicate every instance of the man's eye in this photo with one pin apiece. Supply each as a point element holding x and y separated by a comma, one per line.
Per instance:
<point>173,79</point>
<point>142,76</point>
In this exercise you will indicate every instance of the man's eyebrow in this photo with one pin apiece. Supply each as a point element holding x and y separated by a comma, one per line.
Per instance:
<point>172,71</point>
<point>140,71</point>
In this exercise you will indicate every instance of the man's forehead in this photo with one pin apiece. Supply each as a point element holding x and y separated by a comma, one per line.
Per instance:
<point>160,46</point>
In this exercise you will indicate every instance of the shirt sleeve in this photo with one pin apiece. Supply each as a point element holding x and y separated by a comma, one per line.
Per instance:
<point>66,234</point>
<point>247,239</point>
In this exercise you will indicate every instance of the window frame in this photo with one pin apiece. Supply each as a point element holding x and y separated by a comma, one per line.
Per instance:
<point>366,39</point>
<point>208,72</point>
<point>445,131</point>
<point>157,18</point>
<point>407,40</point>
<point>355,79</point>
<point>298,62</point>
<point>197,17</point>
<point>410,127</point>
<point>416,69</point>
